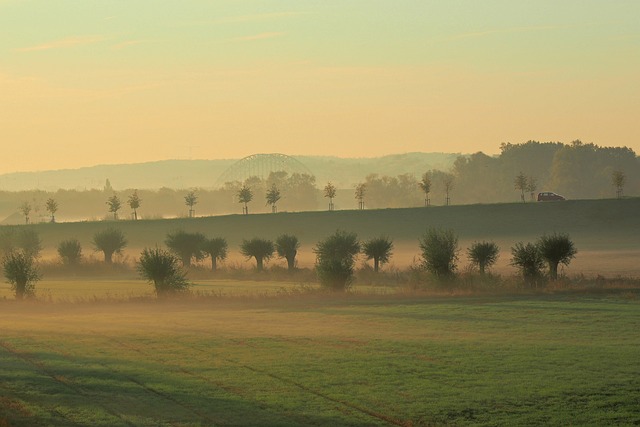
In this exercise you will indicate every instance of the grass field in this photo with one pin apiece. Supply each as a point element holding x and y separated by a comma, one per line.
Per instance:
<point>96,348</point>
<point>313,359</point>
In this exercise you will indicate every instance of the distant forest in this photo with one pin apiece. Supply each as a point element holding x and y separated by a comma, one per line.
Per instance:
<point>576,170</point>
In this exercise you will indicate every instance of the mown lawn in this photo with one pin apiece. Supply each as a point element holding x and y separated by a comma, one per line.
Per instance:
<point>323,360</point>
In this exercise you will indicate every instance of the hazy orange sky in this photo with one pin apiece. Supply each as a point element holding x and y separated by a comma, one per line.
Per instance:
<point>93,82</point>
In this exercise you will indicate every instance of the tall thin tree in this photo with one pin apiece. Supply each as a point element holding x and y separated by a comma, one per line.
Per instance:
<point>52,208</point>
<point>361,190</point>
<point>191,200</point>
<point>245,195</point>
<point>330,192</point>
<point>272,196</point>
<point>134,203</point>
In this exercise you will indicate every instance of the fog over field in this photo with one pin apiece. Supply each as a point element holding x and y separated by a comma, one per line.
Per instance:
<point>329,213</point>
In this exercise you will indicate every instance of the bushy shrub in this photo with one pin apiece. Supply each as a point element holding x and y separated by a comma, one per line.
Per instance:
<point>528,260</point>
<point>556,249</point>
<point>109,241</point>
<point>21,272</point>
<point>335,258</point>
<point>162,269</point>
<point>186,246</point>
<point>260,249</point>
<point>287,247</point>
<point>379,249</point>
<point>70,251</point>
<point>483,255</point>
<point>216,248</point>
<point>440,252</point>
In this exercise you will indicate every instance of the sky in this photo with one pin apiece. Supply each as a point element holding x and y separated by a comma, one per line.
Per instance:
<point>85,82</point>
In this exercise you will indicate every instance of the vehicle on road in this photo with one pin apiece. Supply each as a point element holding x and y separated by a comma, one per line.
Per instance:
<point>548,196</point>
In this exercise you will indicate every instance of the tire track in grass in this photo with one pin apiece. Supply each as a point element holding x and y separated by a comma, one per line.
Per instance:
<point>353,406</point>
<point>41,367</point>
<point>161,394</point>
<point>235,391</point>
<point>350,405</point>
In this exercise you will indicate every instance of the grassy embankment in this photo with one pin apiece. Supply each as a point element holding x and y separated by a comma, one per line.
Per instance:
<point>606,232</point>
<point>323,360</point>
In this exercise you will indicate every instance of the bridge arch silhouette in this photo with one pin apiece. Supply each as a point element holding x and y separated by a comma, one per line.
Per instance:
<point>261,165</point>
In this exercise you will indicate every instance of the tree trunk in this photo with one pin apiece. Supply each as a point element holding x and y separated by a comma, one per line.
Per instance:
<point>108,257</point>
<point>259,263</point>
<point>291,262</point>
<point>376,264</point>
<point>186,261</point>
<point>553,270</point>
<point>481,266</point>
<point>214,263</point>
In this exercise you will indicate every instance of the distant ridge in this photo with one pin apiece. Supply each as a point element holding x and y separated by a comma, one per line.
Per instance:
<point>344,172</point>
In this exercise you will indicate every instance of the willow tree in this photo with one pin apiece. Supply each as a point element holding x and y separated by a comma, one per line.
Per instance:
<point>379,249</point>
<point>260,249</point>
<point>287,247</point>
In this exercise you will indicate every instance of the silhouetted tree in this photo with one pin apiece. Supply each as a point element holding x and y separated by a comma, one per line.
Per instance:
<point>532,186</point>
<point>114,205</point>
<point>191,200</point>
<point>52,208</point>
<point>245,195</point>
<point>425,186</point>
<point>520,184</point>
<point>287,247</point>
<point>70,251</point>
<point>528,260</point>
<point>439,252</point>
<point>8,240</point>
<point>21,272</point>
<point>556,249</point>
<point>109,241</point>
<point>378,249</point>
<point>161,268</point>
<point>260,249</point>
<point>25,208</point>
<point>330,192</point>
<point>483,255</point>
<point>28,240</point>
<point>361,189</point>
<point>618,179</point>
<point>134,203</point>
<point>216,248</point>
<point>447,183</point>
<point>186,246</point>
<point>273,195</point>
<point>335,258</point>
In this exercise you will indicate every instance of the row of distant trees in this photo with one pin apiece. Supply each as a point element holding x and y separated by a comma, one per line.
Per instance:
<point>336,255</point>
<point>576,170</point>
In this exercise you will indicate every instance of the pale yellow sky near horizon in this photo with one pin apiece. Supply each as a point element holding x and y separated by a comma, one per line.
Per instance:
<point>121,82</point>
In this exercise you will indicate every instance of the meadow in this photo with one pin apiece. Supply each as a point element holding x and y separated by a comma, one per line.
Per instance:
<point>318,359</point>
<point>270,349</point>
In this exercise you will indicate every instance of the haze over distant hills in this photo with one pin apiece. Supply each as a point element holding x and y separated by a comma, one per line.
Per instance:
<point>344,172</point>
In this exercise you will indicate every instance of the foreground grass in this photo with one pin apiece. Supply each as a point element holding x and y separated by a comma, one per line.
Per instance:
<point>324,360</point>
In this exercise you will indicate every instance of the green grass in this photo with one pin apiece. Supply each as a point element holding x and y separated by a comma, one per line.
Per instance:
<point>324,360</point>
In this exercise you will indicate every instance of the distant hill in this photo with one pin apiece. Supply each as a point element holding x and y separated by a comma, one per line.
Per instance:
<point>344,172</point>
